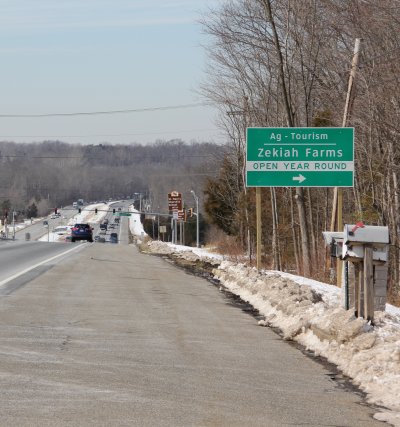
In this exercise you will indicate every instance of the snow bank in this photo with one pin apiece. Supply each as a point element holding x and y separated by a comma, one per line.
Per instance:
<point>185,252</point>
<point>135,225</point>
<point>309,312</point>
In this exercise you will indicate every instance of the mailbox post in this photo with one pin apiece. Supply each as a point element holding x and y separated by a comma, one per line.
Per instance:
<point>366,247</point>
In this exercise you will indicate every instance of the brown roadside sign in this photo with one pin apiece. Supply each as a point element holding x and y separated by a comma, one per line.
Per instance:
<point>181,215</point>
<point>174,201</point>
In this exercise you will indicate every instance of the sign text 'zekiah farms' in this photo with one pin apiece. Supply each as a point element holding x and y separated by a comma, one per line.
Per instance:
<point>300,157</point>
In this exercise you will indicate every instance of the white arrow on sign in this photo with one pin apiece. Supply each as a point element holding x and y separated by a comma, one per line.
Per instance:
<point>299,178</point>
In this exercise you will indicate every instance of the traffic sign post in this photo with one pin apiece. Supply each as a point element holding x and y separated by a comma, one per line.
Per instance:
<point>174,205</point>
<point>300,157</point>
<point>162,229</point>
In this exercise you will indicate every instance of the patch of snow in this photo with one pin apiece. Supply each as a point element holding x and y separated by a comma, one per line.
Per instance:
<point>135,224</point>
<point>394,311</point>
<point>200,252</point>
<point>52,237</point>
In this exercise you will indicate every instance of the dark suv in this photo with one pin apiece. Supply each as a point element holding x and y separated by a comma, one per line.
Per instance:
<point>82,232</point>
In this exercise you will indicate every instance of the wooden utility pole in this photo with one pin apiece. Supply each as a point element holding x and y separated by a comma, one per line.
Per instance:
<point>337,210</point>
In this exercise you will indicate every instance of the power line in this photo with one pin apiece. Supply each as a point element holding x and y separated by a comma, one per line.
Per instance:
<point>108,112</point>
<point>14,156</point>
<point>188,174</point>
<point>107,135</point>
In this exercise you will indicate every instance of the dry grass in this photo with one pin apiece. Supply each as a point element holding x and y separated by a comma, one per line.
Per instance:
<point>224,244</point>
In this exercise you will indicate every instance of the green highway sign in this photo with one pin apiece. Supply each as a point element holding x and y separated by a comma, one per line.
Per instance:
<point>300,157</point>
<point>124,214</point>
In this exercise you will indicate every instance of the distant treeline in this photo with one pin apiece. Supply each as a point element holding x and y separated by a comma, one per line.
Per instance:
<point>53,174</point>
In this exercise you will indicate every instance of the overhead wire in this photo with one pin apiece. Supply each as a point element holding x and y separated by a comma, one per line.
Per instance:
<point>107,112</point>
<point>108,135</point>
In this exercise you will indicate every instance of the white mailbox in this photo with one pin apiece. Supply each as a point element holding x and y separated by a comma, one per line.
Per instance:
<point>360,235</point>
<point>356,253</point>
<point>356,237</point>
<point>334,240</point>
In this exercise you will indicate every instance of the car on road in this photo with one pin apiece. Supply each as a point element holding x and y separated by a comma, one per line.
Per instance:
<point>61,230</point>
<point>81,232</point>
<point>113,238</point>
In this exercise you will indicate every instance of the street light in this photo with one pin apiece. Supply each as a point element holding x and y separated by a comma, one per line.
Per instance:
<point>197,218</point>
<point>13,222</point>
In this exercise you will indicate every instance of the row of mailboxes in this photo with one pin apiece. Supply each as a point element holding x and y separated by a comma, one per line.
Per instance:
<point>349,244</point>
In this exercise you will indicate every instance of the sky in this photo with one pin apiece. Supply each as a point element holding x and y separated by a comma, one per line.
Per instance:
<point>74,56</point>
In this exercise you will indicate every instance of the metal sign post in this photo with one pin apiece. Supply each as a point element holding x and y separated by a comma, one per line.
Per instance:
<point>258,220</point>
<point>174,206</point>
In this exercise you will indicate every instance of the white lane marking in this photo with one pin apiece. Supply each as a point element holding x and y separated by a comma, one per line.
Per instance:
<point>3,282</point>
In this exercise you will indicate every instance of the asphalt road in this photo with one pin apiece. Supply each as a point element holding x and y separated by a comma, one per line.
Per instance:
<point>111,337</point>
<point>18,257</point>
<point>38,229</point>
<point>121,228</point>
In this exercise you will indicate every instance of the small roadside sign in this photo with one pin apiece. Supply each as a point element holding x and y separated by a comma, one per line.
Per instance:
<point>124,214</point>
<point>174,201</point>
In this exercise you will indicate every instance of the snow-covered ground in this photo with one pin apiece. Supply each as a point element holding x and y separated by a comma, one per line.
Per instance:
<point>310,313</point>
<point>19,226</point>
<point>135,225</point>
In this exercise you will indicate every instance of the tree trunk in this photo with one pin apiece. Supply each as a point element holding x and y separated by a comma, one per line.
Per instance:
<point>294,234</point>
<point>275,237</point>
<point>289,117</point>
